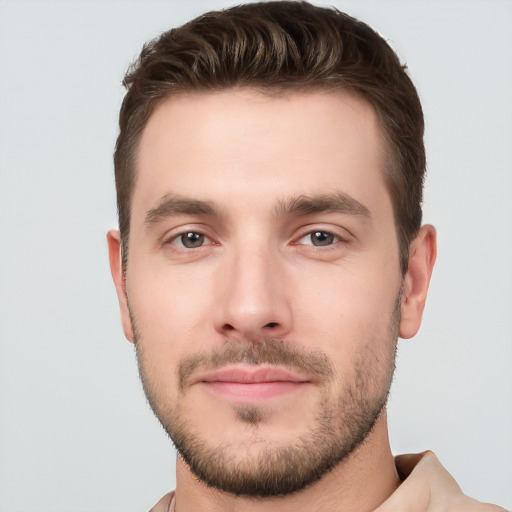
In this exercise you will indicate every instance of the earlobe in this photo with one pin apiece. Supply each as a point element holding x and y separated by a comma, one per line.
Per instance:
<point>422,256</point>
<point>116,269</point>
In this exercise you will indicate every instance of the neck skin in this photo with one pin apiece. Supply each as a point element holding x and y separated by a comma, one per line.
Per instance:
<point>360,483</point>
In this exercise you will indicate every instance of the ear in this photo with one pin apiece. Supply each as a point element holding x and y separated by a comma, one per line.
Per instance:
<point>116,268</point>
<point>422,256</point>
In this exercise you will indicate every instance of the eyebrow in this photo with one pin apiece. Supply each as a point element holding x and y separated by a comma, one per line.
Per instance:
<point>302,205</point>
<point>178,205</point>
<point>338,202</point>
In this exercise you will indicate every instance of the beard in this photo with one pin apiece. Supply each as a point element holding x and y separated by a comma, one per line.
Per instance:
<point>341,423</point>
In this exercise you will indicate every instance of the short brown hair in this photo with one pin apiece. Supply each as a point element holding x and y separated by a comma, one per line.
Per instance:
<point>276,46</point>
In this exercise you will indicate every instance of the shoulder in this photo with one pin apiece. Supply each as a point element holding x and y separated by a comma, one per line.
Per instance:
<point>428,487</point>
<point>163,504</point>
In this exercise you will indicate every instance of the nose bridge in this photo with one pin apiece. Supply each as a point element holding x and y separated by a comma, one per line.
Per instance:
<point>254,298</point>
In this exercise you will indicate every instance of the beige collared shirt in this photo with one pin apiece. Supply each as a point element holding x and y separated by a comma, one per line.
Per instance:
<point>426,487</point>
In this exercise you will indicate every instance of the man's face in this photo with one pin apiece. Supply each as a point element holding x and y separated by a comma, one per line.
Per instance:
<point>263,282</point>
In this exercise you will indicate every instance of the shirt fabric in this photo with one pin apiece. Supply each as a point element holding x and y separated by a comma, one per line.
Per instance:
<point>426,487</point>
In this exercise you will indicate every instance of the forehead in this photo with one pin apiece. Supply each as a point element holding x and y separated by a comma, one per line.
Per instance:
<point>244,143</point>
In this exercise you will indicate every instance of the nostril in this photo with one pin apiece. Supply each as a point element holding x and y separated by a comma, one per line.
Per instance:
<point>271,324</point>
<point>228,327</point>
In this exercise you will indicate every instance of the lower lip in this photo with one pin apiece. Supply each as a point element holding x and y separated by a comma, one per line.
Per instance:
<point>253,392</point>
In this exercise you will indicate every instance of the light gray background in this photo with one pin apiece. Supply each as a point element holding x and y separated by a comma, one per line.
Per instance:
<point>75,431</point>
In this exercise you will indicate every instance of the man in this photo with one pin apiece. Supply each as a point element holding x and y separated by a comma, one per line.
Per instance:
<point>269,174</point>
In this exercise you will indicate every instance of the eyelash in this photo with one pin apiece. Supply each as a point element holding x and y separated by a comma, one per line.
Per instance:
<point>338,241</point>
<point>178,239</point>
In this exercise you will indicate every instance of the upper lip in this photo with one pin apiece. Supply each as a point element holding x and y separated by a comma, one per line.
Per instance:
<point>249,375</point>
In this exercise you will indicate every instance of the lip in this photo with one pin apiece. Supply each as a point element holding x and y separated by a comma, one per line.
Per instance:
<point>250,375</point>
<point>250,384</point>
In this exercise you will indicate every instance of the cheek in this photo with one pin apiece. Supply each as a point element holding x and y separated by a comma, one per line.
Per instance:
<point>345,301</point>
<point>170,309</point>
<point>351,318</point>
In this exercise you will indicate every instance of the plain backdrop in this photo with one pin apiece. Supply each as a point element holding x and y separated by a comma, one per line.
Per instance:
<point>75,431</point>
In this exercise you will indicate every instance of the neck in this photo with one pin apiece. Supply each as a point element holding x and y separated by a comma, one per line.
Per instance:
<point>359,483</point>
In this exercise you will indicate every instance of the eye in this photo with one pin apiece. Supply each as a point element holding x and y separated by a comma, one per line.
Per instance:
<point>190,240</point>
<point>319,239</point>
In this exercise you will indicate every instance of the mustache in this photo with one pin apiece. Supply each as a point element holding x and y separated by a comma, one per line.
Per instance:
<point>269,351</point>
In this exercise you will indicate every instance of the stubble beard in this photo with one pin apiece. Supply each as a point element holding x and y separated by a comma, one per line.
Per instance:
<point>341,423</point>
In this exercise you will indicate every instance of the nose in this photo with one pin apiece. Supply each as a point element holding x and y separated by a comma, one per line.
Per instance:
<point>254,299</point>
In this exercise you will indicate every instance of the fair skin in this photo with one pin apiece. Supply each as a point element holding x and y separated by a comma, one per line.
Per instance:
<point>230,168</point>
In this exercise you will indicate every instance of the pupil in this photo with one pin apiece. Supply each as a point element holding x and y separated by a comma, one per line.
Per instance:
<point>192,240</point>
<point>322,238</point>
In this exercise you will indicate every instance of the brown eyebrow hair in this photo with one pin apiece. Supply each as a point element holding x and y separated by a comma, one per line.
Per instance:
<point>338,202</point>
<point>172,204</point>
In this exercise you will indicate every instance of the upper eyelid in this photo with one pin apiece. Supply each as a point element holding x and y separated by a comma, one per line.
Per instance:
<point>337,238</point>
<point>181,245</point>
<point>340,232</point>
<point>175,236</point>
<point>181,229</point>
<point>326,231</point>
<point>174,233</point>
